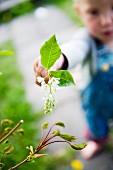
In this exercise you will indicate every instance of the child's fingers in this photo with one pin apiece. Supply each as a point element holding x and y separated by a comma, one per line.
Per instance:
<point>39,71</point>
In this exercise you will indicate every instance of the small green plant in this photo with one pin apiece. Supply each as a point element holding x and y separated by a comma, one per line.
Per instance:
<point>6,131</point>
<point>50,139</point>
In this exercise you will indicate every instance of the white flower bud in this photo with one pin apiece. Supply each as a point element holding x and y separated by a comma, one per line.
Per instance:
<point>40,79</point>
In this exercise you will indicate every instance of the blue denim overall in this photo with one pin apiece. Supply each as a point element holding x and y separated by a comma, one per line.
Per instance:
<point>97,97</point>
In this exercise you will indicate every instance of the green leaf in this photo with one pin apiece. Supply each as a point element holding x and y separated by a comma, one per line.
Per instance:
<point>1,164</point>
<point>56,133</point>
<point>60,124</point>
<point>50,52</point>
<point>31,149</point>
<point>8,149</point>
<point>66,78</point>
<point>21,131</point>
<point>45,125</point>
<point>6,53</point>
<point>79,146</point>
<point>7,129</point>
<point>67,137</point>
<point>6,141</point>
<point>6,122</point>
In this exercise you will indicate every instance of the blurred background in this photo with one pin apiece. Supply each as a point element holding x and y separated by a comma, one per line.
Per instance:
<point>24,26</point>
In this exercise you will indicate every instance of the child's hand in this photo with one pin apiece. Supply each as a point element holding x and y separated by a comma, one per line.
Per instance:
<point>40,71</point>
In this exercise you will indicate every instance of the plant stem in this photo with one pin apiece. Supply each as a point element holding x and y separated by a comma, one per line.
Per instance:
<point>56,141</point>
<point>46,144</point>
<point>21,163</point>
<point>48,133</point>
<point>8,134</point>
<point>43,144</point>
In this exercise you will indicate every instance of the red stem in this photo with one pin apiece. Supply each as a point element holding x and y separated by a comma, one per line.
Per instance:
<point>38,149</point>
<point>48,134</point>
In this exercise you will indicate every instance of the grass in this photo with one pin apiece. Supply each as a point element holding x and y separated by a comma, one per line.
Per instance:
<point>13,105</point>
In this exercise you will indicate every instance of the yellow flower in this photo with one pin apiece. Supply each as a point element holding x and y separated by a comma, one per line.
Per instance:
<point>77,165</point>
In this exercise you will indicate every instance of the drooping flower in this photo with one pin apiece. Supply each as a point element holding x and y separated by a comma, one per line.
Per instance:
<point>48,90</point>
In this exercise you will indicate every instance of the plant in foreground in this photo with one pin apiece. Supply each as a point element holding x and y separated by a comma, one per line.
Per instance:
<point>50,52</point>
<point>5,53</point>
<point>7,131</point>
<point>50,139</point>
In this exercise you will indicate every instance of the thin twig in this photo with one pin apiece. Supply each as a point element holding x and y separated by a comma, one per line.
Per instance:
<point>48,133</point>
<point>8,134</point>
<point>46,144</point>
<point>21,163</point>
<point>56,142</point>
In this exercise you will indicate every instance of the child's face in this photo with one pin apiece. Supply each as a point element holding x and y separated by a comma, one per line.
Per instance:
<point>97,16</point>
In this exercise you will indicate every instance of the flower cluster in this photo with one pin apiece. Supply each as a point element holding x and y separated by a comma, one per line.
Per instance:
<point>49,89</point>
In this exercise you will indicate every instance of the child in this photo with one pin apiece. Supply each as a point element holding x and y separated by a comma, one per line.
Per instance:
<point>93,47</point>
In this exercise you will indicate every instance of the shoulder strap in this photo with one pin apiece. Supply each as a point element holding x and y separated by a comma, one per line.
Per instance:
<point>88,60</point>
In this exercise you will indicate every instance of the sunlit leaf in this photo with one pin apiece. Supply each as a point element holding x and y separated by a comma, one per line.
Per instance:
<point>31,149</point>
<point>78,146</point>
<point>56,133</point>
<point>6,141</point>
<point>50,52</point>
<point>21,131</point>
<point>7,122</point>
<point>45,125</point>
<point>6,53</point>
<point>60,124</point>
<point>8,149</point>
<point>65,78</point>
<point>67,137</point>
<point>7,129</point>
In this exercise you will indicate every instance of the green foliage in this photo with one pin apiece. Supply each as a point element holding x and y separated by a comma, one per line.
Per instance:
<point>65,78</point>
<point>8,149</point>
<point>7,122</point>
<point>67,137</point>
<point>79,146</point>
<point>50,52</point>
<point>45,125</point>
<point>6,53</point>
<point>30,5</point>
<point>17,108</point>
<point>18,10</point>
<point>61,124</point>
<point>13,105</point>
